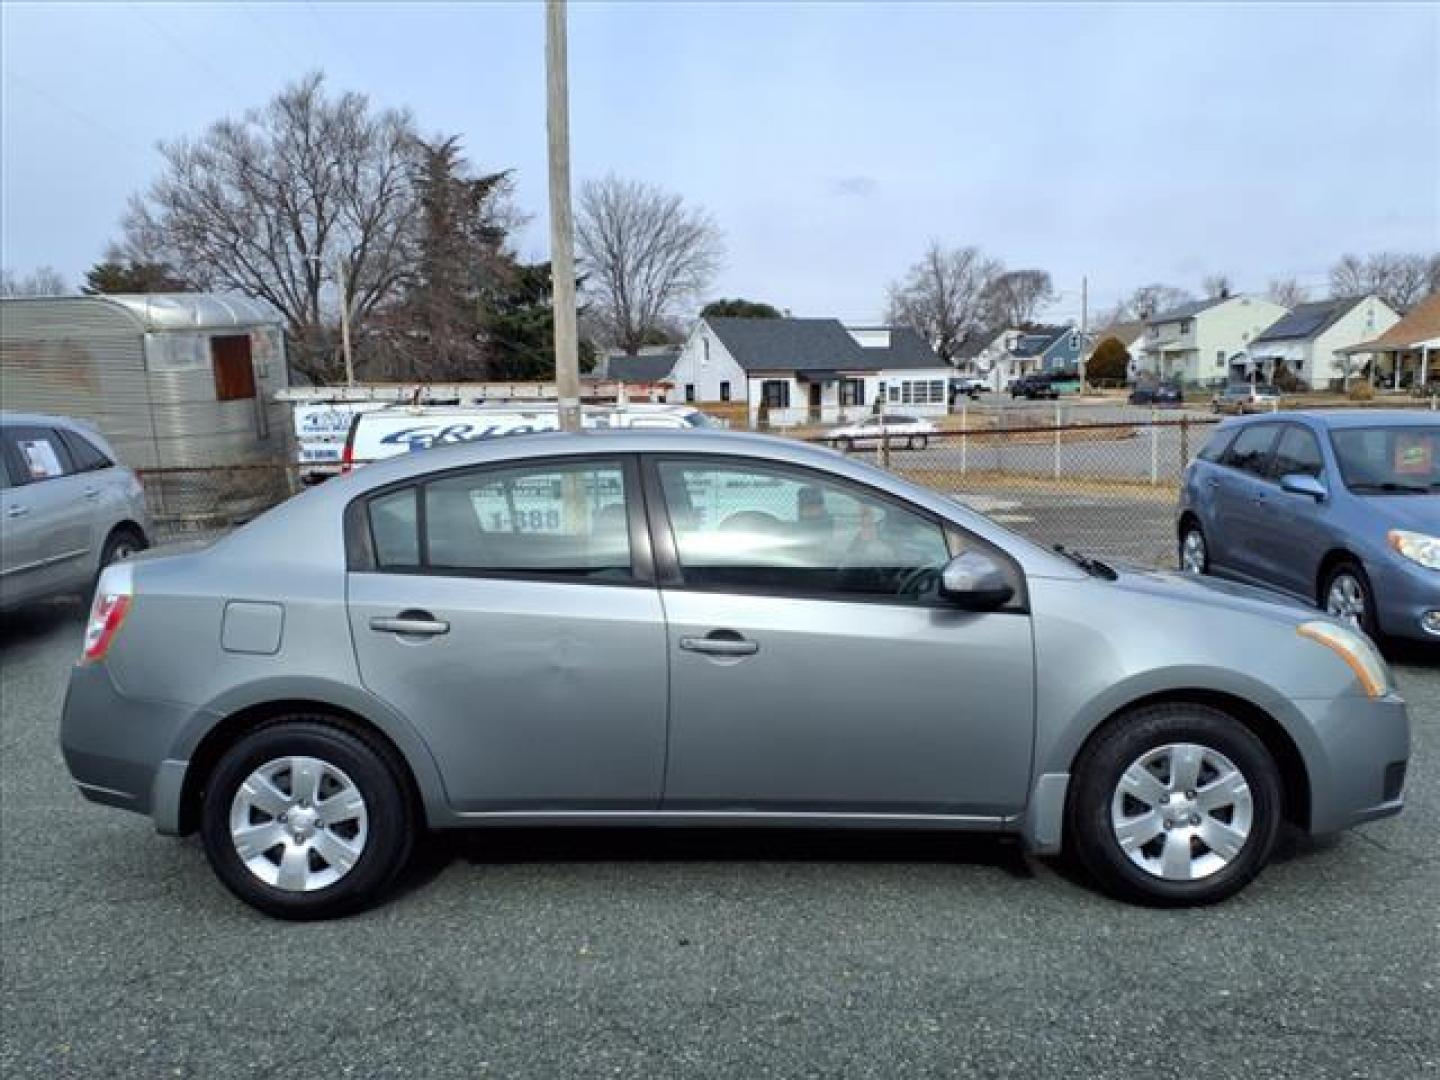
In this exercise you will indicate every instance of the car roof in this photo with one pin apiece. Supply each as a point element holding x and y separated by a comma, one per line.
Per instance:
<point>16,419</point>
<point>1340,419</point>
<point>524,408</point>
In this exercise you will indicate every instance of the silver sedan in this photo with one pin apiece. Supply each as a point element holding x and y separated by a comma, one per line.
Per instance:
<point>705,629</point>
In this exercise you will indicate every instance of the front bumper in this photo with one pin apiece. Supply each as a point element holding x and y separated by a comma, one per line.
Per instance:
<point>116,747</point>
<point>1357,760</point>
<point>1404,593</point>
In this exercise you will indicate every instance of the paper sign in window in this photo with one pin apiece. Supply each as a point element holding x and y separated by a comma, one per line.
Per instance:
<point>40,459</point>
<point>1414,455</point>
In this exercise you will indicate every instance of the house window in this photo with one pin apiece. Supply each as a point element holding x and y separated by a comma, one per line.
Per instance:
<point>852,393</point>
<point>937,391</point>
<point>689,392</point>
<point>705,361</point>
<point>1220,358</point>
<point>1185,326</point>
<point>724,390</point>
<point>775,393</point>
<point>893,394</point>
<point>1074,340</point>
<point>234,373</point>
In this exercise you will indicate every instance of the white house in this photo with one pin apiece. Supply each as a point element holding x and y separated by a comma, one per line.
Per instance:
<point>1204,342</point>
<point>1314,340</point>
<point>809,370</point>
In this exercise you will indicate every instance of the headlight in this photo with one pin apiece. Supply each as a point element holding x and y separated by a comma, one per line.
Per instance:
<point>1417,547</point>
<point>1356,650</point>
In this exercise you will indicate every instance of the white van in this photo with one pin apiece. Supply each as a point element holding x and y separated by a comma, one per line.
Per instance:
<point>389,432</point>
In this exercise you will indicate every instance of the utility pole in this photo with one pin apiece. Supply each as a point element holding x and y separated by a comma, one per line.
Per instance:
<point>1084,320</point>
<point>562,229</point>
<point>344,283</point>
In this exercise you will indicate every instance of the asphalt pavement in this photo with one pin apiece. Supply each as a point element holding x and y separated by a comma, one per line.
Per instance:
<point>704,954</point>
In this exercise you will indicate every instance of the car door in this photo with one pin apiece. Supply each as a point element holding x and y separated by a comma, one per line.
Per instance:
<point>510,613</point>
<point>1294,534</point>
<point>1240,491</point>
<point>813,667</point>
<point>47,518</point>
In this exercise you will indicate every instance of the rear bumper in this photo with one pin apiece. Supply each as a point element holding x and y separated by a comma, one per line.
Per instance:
<point>116,747</point>
<point>1358,766</point>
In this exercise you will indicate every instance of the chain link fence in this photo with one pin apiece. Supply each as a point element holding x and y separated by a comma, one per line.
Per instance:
<point>1107,485</point>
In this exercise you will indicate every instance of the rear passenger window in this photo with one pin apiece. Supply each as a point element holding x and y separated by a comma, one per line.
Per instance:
<point>1250,452</point>
<point>1298,452</point>
<point>565,518</point>
<point>1214,448</point>
<point>84,453</point>
<point>393,530</point>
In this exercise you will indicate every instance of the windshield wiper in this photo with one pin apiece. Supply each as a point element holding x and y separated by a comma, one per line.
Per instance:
<point>1392,486</point>
<point>1092,566</point>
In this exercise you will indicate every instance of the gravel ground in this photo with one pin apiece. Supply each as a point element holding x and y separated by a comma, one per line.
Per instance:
<point>698,953</point>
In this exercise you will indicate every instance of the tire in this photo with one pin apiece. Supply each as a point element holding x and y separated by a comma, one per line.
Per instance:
<point>122,543</point>
<point>1346,593</point>
<point>379,837</point>
<point>1194,554</point>
<point>1243,823</point>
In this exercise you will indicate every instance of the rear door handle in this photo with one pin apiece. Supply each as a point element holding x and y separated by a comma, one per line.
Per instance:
<point>720,646</point>
<point>17,511</point>
<point>410,624</point>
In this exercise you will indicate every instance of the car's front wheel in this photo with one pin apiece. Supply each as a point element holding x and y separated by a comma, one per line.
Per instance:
<point>306,818</point>
<point>1194,551</point>
<point>1175,804</point>
<point>1347,596</point>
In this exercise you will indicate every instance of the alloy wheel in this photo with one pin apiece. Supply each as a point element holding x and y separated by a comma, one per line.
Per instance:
<point>1193,556</point>
<point>1182,812</point>
<point>298,824</point>
<point>1346,599</point>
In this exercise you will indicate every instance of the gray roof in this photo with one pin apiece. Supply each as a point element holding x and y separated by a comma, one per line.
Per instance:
<point>790,344</point>
<point>1186,311</point>
<point>818,345</point>
<point>172,311</point>
<point>1308,320</point>
<point>645,368</point>
<point>976,342</point>
<point>1039,342</point>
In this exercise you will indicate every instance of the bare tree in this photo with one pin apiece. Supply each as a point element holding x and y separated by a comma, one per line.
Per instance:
<point>1150,300</point>
<point>1015,297</point>
<point>1401,280</point>
<point>945,296</point>
<point>298,203</point>
<point>1217,286</point>
<point>644,252</point>
<point>1287,292</point>
<point>43,281</point>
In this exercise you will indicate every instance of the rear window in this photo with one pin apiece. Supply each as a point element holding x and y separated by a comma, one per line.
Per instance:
<point>39,453</point>
<point>85,454</point>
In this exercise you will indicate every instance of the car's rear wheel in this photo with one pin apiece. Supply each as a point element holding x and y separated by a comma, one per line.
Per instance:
<point>306,819</point>
<point>1194,551</point>
<point>1175,804</point>
<point>1347,596</point>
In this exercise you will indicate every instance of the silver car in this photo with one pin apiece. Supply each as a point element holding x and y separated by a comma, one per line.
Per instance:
<point>67,510</point>
<point>705,629</point>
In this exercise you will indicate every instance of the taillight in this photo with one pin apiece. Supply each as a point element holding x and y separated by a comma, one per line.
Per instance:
<point>113,598</point>
<point>347,459</point>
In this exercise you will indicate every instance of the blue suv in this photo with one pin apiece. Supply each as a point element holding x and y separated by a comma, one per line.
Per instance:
<point>1340,509</point>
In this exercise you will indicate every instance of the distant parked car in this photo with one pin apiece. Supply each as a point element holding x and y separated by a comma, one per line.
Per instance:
<point>909,432</point>
<point>968,385</point>
<point>1242,399</point>
<point>67,510</point>
<point>1339,509</point>
<point>1163,396</point>
<point>697,628</point>
<point>1034,388</point>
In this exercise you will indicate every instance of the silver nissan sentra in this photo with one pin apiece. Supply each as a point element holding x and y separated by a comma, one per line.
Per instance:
<point>705,629</point>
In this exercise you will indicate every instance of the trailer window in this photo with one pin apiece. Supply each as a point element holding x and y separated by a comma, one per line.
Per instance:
<point>234,372</point>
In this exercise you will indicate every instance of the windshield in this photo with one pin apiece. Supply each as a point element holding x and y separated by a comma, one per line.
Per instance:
<point>1388,460</point>
<point>701,420</point>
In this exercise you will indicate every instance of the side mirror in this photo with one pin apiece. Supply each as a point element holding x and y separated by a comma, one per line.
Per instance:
<point>1301,484</point>
<point>976,582</point>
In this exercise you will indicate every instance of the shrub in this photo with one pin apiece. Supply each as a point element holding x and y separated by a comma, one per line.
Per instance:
<point>1361,391</point>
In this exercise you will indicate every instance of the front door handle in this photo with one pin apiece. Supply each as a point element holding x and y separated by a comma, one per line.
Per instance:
<point>730,644</point>
<point>410,624</point>
<point>17,511</point>
<point>91,492</point>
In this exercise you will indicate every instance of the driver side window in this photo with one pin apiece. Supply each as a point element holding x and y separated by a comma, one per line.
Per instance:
<point>760,528</point>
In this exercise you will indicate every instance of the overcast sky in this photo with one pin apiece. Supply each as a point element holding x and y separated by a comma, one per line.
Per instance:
<point>1130,143</point>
